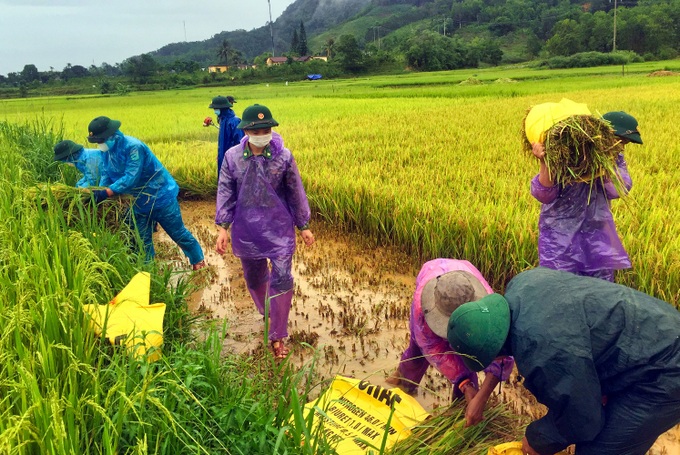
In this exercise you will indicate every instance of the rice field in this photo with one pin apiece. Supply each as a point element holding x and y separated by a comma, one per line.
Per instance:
<point>420,162</point>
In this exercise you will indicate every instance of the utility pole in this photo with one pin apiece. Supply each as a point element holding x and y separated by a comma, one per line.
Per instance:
<point>614,42</point>
<point>271,25</point>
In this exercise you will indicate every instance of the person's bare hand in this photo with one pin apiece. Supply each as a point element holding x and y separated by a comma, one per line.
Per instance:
<point>527,449</point>
<point>538,149</point>
<point>474,412</point>
<point>307,236</point>
<point>222,241</point>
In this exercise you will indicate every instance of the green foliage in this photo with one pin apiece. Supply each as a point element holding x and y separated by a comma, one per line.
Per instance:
<point>430,51</point>
<point>590,59</point>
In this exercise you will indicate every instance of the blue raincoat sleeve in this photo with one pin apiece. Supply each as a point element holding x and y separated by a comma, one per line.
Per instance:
<point>90,164</point>
<point>131,168</point>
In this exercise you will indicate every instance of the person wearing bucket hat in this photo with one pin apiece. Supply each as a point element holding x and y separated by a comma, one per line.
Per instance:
<point>441,286</point>
<point>88,161</point>
<point>229,134</point>
<point>576,229</point>
<point>130,167</point>
<point>261,199</point>
<point>602,357</point>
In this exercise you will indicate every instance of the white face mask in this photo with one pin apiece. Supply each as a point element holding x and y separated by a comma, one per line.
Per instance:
<point>260,141</point>
<point>217,112</point>
<point>104,147</point>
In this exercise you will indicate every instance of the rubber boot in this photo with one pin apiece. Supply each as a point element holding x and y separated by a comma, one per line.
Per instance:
<point>259,296</point>
<point>279,308</point>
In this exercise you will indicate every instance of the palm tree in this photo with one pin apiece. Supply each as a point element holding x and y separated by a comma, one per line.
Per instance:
<point>330,42</point>
<point>225,52</point>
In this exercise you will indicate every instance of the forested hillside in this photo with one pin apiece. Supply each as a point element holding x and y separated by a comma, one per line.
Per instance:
<point>493,31</point>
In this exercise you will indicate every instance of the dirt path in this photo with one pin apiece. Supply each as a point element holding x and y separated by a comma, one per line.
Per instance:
<point>352,302</point>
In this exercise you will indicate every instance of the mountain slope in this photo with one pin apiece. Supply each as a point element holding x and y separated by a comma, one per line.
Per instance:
<point>317,16</point>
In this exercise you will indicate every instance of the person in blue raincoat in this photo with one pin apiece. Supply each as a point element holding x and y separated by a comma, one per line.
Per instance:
<point>130,167</point>
<point>229,134</point>
<point>576,227</point>
<point>87,161</point>
<point>603,358</point>
<point>261,199</point>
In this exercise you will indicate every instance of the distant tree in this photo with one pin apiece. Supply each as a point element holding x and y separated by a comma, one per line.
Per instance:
<point>224,52</point>
<point>294,42</point>
<point>349,54</point>
<point>140,68</point>
<point>228,55</point>
<point>328,47</point>
<point>30,73</point>
<point>73,71</point>
<point>487,50</point>
<point>430,51</point>
<point>302,48</point>
<point>567,38</point>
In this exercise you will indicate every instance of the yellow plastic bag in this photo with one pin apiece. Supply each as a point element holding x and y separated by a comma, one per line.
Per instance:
<point>511,448</point>
<point>542,117</point>
<point>354,414</point>
<point>129,320</point>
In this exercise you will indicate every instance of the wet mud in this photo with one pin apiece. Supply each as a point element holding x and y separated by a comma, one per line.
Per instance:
<point>350,311</point>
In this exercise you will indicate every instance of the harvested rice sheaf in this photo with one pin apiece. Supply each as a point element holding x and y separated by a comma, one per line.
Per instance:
<point>445,433</point>
<point>581,148</point>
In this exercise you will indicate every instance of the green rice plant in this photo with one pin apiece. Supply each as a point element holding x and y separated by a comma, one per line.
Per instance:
<point>445,432</point>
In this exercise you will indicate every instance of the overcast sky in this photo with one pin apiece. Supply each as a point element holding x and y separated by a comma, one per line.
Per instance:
<point>52,33</point>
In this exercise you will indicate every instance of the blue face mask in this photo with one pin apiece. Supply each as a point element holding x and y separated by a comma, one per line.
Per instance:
<point>217,112</point>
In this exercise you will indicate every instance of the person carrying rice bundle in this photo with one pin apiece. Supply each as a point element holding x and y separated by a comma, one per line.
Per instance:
<point>582,168</point>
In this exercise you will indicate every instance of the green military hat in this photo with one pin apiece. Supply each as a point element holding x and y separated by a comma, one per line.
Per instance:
<point>102,128</point>
<point>220,102</point>
<point>624,125</point>
<point>66,148</point>
<point>257,117</point>
<point>478,330</point>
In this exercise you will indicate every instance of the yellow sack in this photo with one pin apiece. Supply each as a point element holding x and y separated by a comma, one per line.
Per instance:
<point>542,117</point>
<point>354,413</point>
<point>511,448</point>
<point>129,320</point>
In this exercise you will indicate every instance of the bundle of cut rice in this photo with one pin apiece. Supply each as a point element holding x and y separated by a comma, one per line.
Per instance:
<point>580,148</point>
<point>445,433</point>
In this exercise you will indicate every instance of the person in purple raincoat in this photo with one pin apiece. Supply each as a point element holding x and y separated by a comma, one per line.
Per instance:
<point>576,227</point>
<point>442,286</point>
<point>260,196</point>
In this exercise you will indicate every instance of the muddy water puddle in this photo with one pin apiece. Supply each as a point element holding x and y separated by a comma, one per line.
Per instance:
<point>351,303</point>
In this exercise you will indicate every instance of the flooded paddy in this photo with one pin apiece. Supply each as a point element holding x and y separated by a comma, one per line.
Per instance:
<point>351,304</point>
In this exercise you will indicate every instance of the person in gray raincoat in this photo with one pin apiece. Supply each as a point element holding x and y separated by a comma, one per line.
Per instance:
<point>87,161</point>
<point>130,167</point>
<point>260,197</point>
<point>603,358</point>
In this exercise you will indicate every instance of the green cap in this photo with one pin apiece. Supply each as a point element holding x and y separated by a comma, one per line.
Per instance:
<point>624,125</point>
<point>220,102</point>
<point>102,128</point>
<point>64,149</point>
<point>478,330</point>
<point>231,99</point>
<point>256,117</point>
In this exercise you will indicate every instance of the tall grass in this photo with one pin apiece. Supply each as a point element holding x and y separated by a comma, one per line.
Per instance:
<point>64,392</point>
